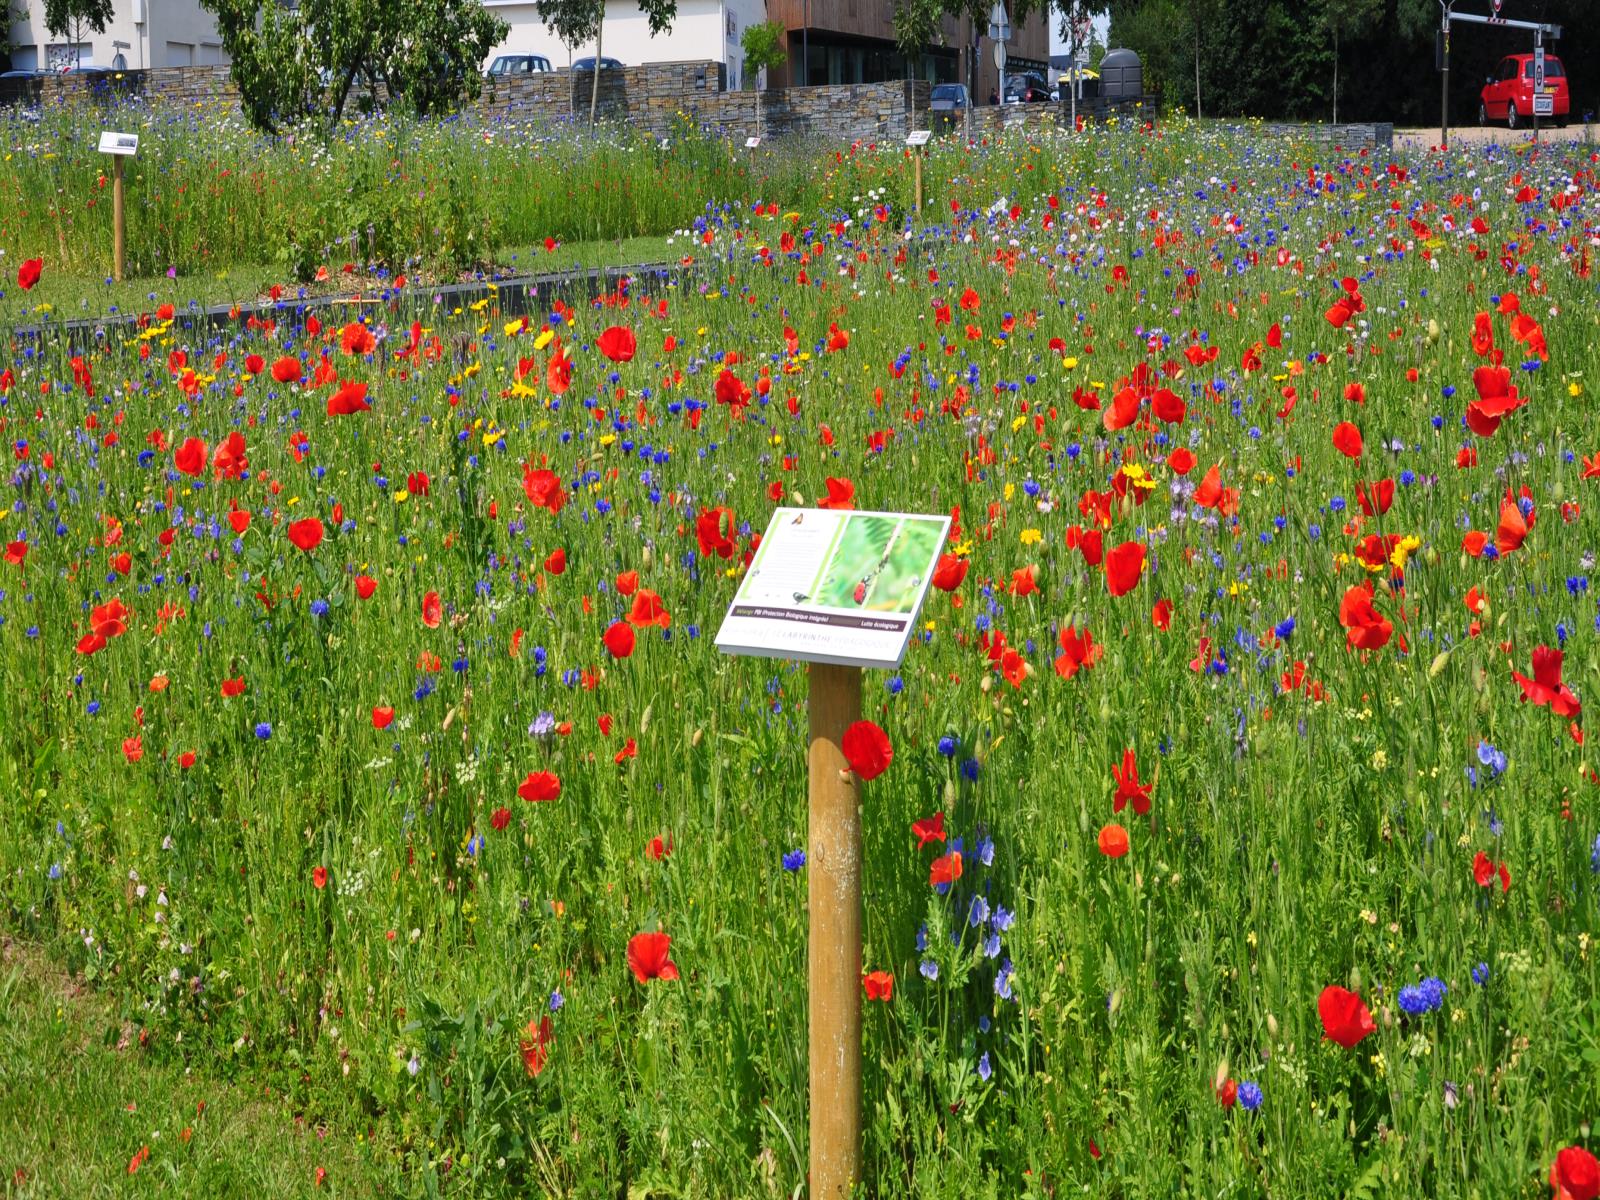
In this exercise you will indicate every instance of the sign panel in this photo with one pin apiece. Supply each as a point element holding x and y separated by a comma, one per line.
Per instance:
<point>119,143</point>
<point>835,587</point>
<point>1538,68</point>
<point>1544,105</point>
<point>750,143</point>
<point>918,137</point>
<point>999,56</point>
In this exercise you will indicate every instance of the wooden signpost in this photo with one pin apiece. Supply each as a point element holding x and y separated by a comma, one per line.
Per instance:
<point>842,591</point>
<point>119,146</point>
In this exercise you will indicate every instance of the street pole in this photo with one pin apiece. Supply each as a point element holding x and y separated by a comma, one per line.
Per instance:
<point>805,48</point>
<point>835,952</point>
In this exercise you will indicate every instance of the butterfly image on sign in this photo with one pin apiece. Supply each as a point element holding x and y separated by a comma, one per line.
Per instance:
<point>835,587</point>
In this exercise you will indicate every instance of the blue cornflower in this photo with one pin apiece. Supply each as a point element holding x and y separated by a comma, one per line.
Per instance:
<point>55,870</point>
<point>1480,974</point>
<point>895,685</point>
<point>1491,758</point>
<point>556,1001</point>
<point>977,912</point>
<point>1434,989</point>
<point>1284,628</point>
<point>1250,1095</point>
<point>1002,980</point>
<point>984,1069</point>
<point>948,746</point>
<point>1413,1001</point>
<point>1594,855</point>
<point>319,608</point>
<point>970,770</point>
<point>794,860</point>
<point>929,969</point>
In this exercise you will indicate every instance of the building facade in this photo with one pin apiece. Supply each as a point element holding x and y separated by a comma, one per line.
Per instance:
<point>142,34</point>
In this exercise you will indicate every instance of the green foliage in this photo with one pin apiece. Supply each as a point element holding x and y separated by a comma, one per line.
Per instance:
<point>294,63</point>
<point>71,19</point>
<point>762,44</point>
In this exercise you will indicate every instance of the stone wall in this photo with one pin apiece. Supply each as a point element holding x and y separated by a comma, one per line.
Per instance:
<point>657,99</point>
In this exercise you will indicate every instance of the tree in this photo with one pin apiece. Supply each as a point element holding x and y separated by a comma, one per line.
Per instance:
<point>762,44</point>
<point>292,63</point>
<point>576,22</point>
<point>916,24</point>
<point>72,19</point>
<point>1340,18</point>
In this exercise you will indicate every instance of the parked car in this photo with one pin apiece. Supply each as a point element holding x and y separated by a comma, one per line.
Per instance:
<point>1063,86</point>
<point>518,64</point>
<point>587,64</point>
<point>1508,94</point>
<point>949,97</point>
<point>1027,87</point>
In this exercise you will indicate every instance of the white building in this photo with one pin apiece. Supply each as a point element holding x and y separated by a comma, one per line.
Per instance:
<point>142,33</point>
<point>704,30</point>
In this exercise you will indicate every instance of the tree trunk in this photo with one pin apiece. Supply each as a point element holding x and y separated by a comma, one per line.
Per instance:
<point>1335,74</point>
<point>594,87</point>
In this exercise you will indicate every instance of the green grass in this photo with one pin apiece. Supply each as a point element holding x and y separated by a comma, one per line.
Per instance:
<point>79,1098</point>
<point>376,916</point>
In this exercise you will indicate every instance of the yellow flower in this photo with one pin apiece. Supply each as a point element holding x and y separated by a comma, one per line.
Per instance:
<point>1403,550</point>
<point>1069,363</point>
<point>1031,537</point>
<point>544,338</point>
<point>1574,389</point>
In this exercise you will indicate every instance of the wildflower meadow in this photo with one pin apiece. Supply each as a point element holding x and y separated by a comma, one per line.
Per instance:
<point>1230,827</point>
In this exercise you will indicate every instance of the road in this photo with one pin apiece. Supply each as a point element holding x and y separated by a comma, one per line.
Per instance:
<point>1421,139</point>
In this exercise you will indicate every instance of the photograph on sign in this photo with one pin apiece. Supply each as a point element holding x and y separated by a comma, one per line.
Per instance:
<point>835,587</point>
<point>750,143</point>
<point>119,143</point>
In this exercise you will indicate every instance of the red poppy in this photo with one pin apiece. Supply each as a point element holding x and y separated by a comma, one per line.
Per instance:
<point>1113,840</point>
<point>1513,528</point>
<point>28,273</point>
<point>500,818</point>
<point>233,687</point>
<point>950,572</point>
<point>306,534</point>
<point>619,639</point>
<point>1227,1094</point>
<point>649,957</point>
<point>544,489</point>
<point>617,344</point>
<point>929,829</point>
<point>945,869</point>
<point>841,494</point>
<point>1345,1019</point>
<point>287,369</point>
<point>16,552</point>
<point>1076,652</point>
<point>1376,502</point>
<point>133,748</point>
<point>1168,407</point>
<point>630,749</point>
<point>432,610</point>
<point>1365,628</point>
<point>867,750</point>
<point>536,1046</point>
<point>714,529</point>
<point>1124,565</point>
<point>190,458</point>
<point>879,985</point>
<point>627,583</point>
<point>349,399</point>
<point>556,562</point>
<point>1347,439</point>
<point>1546,686</point>
<point>1129,787</point>
<point>254,364</point>
<point>319,877</point>
<point>382,718</point>
<point>648,610</point>
<point>366,585</point>
<point>186,760</point>
<point>1181,460</point>
<point>540,785</point>
<point>356,338</point>
<point>1575,1175</point>
<point>558,373</point>
<point>1161,615</point>
<point>658,849</point>
<point>1484,870</point>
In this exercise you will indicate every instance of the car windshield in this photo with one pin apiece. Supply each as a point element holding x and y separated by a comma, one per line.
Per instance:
<point>948,91</point>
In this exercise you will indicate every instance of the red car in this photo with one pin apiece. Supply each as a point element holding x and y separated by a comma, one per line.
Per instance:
<point>1508,94</point>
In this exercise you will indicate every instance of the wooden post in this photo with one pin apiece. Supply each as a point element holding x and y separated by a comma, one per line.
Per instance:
<point>119,238</point>
<point>834,870</point>
<point>916,169</point>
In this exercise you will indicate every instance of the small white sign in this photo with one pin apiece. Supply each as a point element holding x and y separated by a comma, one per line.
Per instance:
<point>119,143</point>
<point>835,587</point>
<point>918,137</point>
<point>750,143</point>
<point>1544,105</point>
<point>999,56</point>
